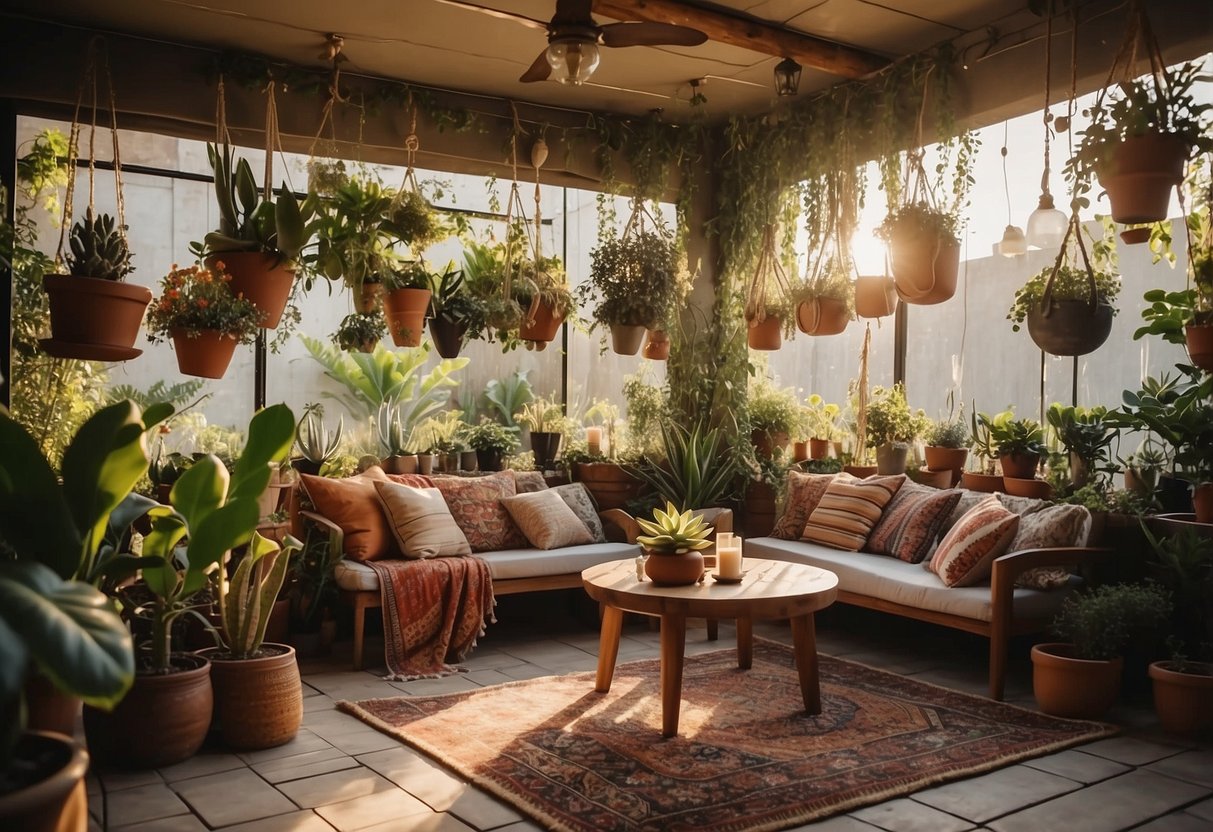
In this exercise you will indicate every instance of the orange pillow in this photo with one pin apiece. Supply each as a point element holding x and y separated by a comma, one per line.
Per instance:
<point>967,552</point>
<point>353,504</point>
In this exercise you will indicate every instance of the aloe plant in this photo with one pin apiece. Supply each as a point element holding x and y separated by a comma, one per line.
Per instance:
<point>699,469</point>
<point>313,440</point>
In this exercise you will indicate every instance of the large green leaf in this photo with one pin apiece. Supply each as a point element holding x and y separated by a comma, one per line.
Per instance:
<point>34,518</point>
<point>270,435</point>
<point>201,489</point>
<point>168,528</point>
<point>224,528</point>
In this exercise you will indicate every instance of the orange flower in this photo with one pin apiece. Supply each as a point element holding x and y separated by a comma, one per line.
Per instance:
<point>203,303</point>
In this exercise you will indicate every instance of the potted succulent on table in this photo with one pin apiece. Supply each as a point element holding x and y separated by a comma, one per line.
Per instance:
<point>774,416</point>
<point>315,444</point>
<point>1068,310</point>
<point>892,426</point>
<point>672,541</point>
<point>947,448</point>
<point>924,252</point>
<point>204,318</point>
<point>637,282</point>
<point>406,303</point>
<point>258,240</point>
<point>95,315</point>
<point>1086,434</point>
<point>361,331</point>
<point>1080,678</point>
<point>491,441</point>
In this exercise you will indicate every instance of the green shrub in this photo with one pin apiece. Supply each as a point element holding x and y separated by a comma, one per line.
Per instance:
<point>1099,623</point>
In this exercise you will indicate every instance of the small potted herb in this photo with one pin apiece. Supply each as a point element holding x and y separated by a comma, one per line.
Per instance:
<point>947,446</point>
<point>891,427</point>
<point>491,441</point>
<point>360,331</point>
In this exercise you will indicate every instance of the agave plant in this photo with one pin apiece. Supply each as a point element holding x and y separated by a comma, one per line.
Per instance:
<point>246,221</point>
<point>670,532</point>
<point>98,249</point>
<point>699,467</point>
<point>313,440</point>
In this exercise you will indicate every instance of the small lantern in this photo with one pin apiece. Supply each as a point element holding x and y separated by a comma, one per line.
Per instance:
<point>787,77</point>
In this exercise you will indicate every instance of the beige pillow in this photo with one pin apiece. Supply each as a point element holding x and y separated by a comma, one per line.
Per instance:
<point>546,520</point>
<point>421,522</point>
<point>1060,525</point>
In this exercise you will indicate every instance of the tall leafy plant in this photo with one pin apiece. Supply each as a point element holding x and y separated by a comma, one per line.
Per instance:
<point>699,469</point>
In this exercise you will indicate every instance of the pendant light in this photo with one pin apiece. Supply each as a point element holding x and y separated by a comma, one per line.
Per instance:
<point>1013,242</point>
<point>573,60</point>
<point>787,77</point>
<point>1047,225</point>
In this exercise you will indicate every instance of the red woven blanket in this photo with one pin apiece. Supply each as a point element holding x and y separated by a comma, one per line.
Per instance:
<point>433,612</point>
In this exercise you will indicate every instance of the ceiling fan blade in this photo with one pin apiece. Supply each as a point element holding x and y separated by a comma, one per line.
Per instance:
<point>574,12</point>
<point>650,34</point>
<point>538,71</point>
<point>541,25</point>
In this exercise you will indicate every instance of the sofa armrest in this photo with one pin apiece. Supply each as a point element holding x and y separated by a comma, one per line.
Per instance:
<point>720,518</point>
<point>619,525</point>
<point>335,534</point>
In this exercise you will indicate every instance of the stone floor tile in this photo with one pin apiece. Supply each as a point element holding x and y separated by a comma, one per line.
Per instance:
<point>334,787</point>
<point>417,774</point>
<point>990,795</point>
<point>299,766</point>
<point>142,803</point>
<point>1130,750</point>
<point>232,797</point>
<point>521,826</point>
<point>546,652</point>
<point>456,683</point>
<point>1203,810</point>
<point>1175,822</point>
<point>1192,766</point>
<point>838,823</point>
<point>481,811</point>
<point>360,741</point>
<point>488,678</point>
<point>906,815</point>
<point>434,822</point>
<point>114,780</point>
<point>319,702</point>
<point>489,659</point>
<point>201,764</point>
<point>303,821</point>
<point>1079,766</point>
<point>178,823</point>
<point>373,809</point>
<point>524,671</point>
<point>1118,803</point>
<point>304,742</point>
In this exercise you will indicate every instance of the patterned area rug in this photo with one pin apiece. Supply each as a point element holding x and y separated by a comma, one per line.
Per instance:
<point>747,757</point>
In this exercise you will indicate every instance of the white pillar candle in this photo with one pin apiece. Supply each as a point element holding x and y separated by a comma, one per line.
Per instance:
<point>593,438</point>
<point>728,560</point>
<point>723,539</point>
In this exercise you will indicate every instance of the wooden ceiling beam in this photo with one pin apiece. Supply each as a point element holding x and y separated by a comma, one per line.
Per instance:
<point>750,33</point>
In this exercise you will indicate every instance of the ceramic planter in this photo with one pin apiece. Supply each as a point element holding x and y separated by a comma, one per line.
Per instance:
<point>399,464</point>
<point>1200,345</point>
<point>924,269</point>
<point>800,451</point>
<point>891,458</point>
<point>875,296</point>
<point>1017,487</point>
<point>94,319</point>
<point>822,316</point>
<point>766,334</point>
<point>1183,700</point>
<point>1022,466</point>
<point>265,279</point>
<point>1069,327</point>
<point>447,336</point>
<point>988,483</point>
<point>1135,236</point>
<point>405,310</point>
<point>657,345</point>
<point>206,355</point>
<point>947,459</point>
<point>540,323</point>
<point>488,460</point>
<point>468,460</point>
<point>626,340</point>
<point>56,802</point>
<point>259,701</point>
<point>545,444</point>
<point>670,569</point>
<point>1070,687</point>
<point>1140,174</point>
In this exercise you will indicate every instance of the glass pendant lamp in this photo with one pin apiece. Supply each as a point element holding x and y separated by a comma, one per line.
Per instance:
<point>1047,225</point>
<point>1013,242</point>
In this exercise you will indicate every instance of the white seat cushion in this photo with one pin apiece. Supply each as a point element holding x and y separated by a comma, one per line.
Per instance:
<point>890,579</point>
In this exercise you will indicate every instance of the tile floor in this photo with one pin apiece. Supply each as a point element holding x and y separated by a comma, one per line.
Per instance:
<point>339,774</point>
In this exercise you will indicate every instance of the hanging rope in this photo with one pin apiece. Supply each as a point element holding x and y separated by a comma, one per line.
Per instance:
<point>770,280</point>
<point>861,407</point>
<point>411,145</point>
<point>272,139</point>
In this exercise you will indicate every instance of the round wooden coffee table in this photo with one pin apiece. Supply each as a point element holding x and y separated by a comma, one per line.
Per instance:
<point>770,589</point>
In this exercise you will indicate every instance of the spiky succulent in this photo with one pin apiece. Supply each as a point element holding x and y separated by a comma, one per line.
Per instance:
<point>313,440</point>
<point>99,249</point>
<point>670,532</point>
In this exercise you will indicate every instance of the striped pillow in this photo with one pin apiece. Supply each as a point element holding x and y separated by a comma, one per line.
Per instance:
<point>911,522</point>
<point>848,510</point>
<point>967,552</point>
<point>804,493</point>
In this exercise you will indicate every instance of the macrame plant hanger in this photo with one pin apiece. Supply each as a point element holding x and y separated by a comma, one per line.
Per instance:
<point>917,188</point>
<point>770,281</point>
<point>516,244</point>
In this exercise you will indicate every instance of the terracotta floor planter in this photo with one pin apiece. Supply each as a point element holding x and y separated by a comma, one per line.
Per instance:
<point>934,479</point>
<point>1140,175</point>
<point>875,296</point>
<point>924,269</point>
<point>819,448</point>
<point>56,802</point>
<point>206,355</point>
<point>258,702</point>
<point>981,482</point>
<point>822,316</point>
<point>540,323</point>
<point>265,279</point>
<point>1069,327</point>
<point>657,345</point>
<point>1022,466</point>
<point>1183,701</point>
<point>1202,502</point>
<point>447,336</point>
<point>610,484</point>
<point>1073,688</point>
<point>626,340</point>
<point>1200,345</point>
<point>766,443</point>
<point>405,310</point>
<point>399,464</point>
<point>681,569</point>
<point>766,334</point>
<point>1017,487</point>
<point>94,319</point>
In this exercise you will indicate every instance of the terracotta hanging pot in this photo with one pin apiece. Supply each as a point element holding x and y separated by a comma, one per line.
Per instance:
<point>766,334</point>
<point>206,355</point>
<point>265,279</point>
<point>405,310</point>
<point>447,336</point>
<point>540,323</point>
<point>819,448</point>
<point>875,296</point>
<point>1200,345</point>
<point>666,569</point>
<point>924,269</point>
<point>94,319</point>
<point>626,339</point>
<point>1069,327</point>
<point>657,345</point>
<point>988,483</point>
<point>1183,699</point>
<point>1074,688</point>
<point>1018,487</point>
<point>1139,175</point>
<point>1135,236</point>
<point>367,297</point>
<point>1022,466</point>
<point>822,316</point>
<point>258,701</point>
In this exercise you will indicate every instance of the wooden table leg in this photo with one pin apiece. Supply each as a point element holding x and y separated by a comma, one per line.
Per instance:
<point>804,645</point>
<point>713,629</point>
<point>608,647</point>
<point>673,642</point>
<point>745,643</point>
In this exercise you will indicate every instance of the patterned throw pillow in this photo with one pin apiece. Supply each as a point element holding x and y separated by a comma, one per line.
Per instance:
<point>475,503</point>
<point>910,523</point>
<point>967,552</point>
<point>421,522</point>
<point>412,480</point>
<point>527,482</point>
<point>577,497</point>
<point>352,504</point>
<point>546,520</point>
<point>804,493</point>
<point>848,510</point>
<point>964,505</point>
<point>1023,506</point>
<point>1052,526</point>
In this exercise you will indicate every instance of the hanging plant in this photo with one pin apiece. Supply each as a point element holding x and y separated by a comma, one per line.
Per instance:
<point>825,302</point>
<point>205,320</point>
<point>769,309</point>
<point>361,331</point>
<point>924,252</point>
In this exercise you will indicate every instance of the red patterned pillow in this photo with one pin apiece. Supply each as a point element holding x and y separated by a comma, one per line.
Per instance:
<point>804,493</point>
<point>475,503</point>
<point>412,480</point>
<point>849,510</point>
<point>967,552</point>
<point>911,521</point>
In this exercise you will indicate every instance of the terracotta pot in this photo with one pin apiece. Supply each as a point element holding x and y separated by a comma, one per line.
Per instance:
<point>405,310</point>
<point>875,296</point>
<point>682,569</point>
<point>766,334</point>
<point>610,484</point>
<point>626,340</point>
<point>800,451</point>
<point>447,336</point>
<point>934,479</point>
<point>367,297</point>
<point>258,702</point>
<point>162,720</point>
<point>924,269</point>
<point>1017,487</point>
<point>1202,502</point>
<point>891,458</point>
<point>1019,465</point>
<point>1069,327</point>
<point>946,459</point>
<point>540,323</point>
<point>278,628</point>
<point>1200,345</point>
<point>469,460</point>
<point>988,483</point>
<point>1135,236</point>
<point>1183,701</point>
<point>1073,688</point>
<point>860,471</point>
<point>819,448</point>
<point>399,464</point>
<point>765,442</point>
<point>48,708</point>
<point>94,319</point>
<point>1139,175</point>
<point>265,279</point>
<point>822,316</point>
<point>206,356</point>
<point>57,802</point>
<point>545,444</point>
<point>448,463</point>
<point>425,464</point>
<point>488,460</point>
<point>657,345</point>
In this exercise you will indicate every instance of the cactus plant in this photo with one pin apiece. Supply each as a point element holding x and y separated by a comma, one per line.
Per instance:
<point>99,249</point>
<point>670,532</point>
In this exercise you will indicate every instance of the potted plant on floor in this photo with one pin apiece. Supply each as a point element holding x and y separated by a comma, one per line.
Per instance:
<point>1080,678</point>
<point>315,444</point>
<point>361,331</point>
<point>94,314</point>
<point>924,252</point>
<point>774,416</point>
<point>491,441</point>
<point>672,541</point>
<point>1068,310</point>
<point>947,446</point>
<point>1086,434</point>
<point>205,320</point>
<point>636,281</point>
<point>892,427</point>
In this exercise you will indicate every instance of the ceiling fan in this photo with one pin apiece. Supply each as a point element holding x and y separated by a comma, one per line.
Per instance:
<point>574,38</point>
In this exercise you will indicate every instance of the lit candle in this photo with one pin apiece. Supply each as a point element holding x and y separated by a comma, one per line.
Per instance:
<point>593,438</point>
<point>728,560</point>
<point>723,539</point>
